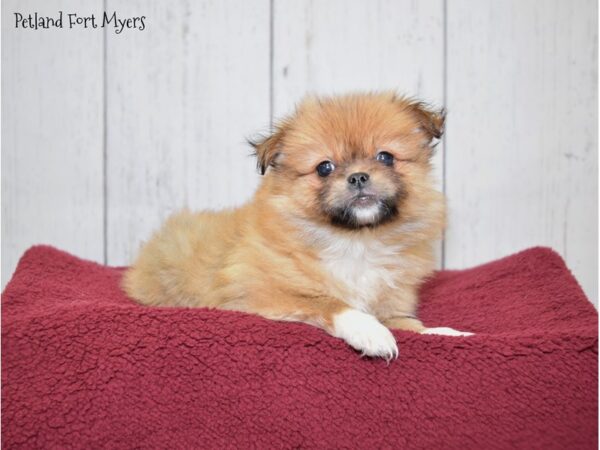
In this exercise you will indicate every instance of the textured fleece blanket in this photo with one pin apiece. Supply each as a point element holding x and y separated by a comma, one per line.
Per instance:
<point>83,366</point>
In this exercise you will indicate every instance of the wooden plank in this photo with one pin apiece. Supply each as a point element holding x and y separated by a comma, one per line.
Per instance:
<point>182,96</point>
<point>52,131</point>
<point>522,141</point>
<point>336,46</point>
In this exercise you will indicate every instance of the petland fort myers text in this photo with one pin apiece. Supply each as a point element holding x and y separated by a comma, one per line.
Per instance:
<point>35,21</point>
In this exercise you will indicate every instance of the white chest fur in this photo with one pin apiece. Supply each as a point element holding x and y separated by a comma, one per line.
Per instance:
<point>361,264</point>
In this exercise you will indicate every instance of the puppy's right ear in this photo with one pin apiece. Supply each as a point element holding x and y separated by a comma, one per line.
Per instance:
<point>266,149</point>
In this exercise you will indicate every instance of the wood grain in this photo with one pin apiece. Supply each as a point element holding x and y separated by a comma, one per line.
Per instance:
<point>182,97</point>
<point>522,140</point>
<point>51,134</point>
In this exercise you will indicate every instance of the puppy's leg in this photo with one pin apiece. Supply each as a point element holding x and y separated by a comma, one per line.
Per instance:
<point>365,333</point>
<point>413,324</point>
<point>360,330</point>
<point>405,323</point>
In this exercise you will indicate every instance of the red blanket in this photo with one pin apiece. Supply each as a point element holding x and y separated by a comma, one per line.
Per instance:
<point>85,367</point>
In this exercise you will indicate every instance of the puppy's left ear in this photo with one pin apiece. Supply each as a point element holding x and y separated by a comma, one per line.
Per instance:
<point>430,121</point>
<point>266,149</point>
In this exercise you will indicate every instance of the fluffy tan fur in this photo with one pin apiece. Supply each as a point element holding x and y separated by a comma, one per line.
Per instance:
<point>283,256</point>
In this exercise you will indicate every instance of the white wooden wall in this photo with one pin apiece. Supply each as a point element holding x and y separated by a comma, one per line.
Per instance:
<point>104,135</point>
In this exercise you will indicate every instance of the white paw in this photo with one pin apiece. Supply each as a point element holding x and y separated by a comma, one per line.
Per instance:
<point>445,331</point>
<point>365,333</point>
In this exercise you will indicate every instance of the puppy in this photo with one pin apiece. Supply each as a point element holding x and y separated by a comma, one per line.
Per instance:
<point>338,235</point>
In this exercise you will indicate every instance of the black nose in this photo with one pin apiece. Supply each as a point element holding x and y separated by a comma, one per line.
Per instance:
<point>358,179</point>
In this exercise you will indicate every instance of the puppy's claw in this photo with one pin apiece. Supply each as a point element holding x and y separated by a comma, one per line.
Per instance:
<point>446,331</point>
<point>389,357</point>
<point>365,333</point>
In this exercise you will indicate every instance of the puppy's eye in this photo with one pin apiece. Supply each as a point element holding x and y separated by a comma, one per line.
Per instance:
<point>386,158</point>
<point>325,168</point>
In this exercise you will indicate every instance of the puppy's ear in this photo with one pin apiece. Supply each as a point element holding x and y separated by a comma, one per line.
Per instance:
<point>266,149</point>
<point>431,121</point>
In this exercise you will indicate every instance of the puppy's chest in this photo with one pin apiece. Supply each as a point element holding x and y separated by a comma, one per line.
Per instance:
<point>363,269</point>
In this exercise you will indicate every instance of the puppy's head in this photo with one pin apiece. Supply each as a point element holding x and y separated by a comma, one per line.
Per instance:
<point>353,161</point>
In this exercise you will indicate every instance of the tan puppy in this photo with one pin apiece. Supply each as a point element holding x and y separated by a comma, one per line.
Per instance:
<point>339,234</point>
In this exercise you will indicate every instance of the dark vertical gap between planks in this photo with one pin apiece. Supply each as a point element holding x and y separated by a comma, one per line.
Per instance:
<point>445,101</point>
<point>104,144</point>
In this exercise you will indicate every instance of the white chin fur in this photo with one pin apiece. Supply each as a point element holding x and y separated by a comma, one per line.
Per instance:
<point>365,333</point>
<point>445,331</point>
<point>366,215</point>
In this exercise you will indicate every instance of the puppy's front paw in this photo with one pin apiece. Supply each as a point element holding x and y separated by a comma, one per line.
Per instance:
<point>445,331</point>
<point>365,333</point>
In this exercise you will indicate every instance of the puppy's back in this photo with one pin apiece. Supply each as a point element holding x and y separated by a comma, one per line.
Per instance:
<point>180,263</point>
